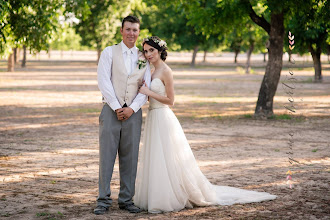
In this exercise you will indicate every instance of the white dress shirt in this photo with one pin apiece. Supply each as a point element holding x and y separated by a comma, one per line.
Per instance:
<point>104,72</point>
<point>134,56</point>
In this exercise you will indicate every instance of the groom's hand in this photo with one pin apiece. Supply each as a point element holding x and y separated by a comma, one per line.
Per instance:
<point>124,113</point>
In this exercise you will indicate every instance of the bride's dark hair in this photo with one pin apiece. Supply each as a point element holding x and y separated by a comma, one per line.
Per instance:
<point>157,43</point>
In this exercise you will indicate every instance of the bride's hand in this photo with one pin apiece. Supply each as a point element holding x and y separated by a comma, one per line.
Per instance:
<point>144,89</point>
<point>141,84</point>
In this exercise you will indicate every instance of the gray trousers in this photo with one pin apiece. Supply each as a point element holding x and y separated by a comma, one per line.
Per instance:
<point>124,138</point>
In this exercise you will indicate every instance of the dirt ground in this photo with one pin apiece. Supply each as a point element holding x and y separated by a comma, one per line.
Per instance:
<point>49,140</point>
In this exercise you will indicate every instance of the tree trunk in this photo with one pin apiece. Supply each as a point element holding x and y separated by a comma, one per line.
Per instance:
<point>18,52</point>
<point>264,107</point>
<point>49,53</point>
<point>316,55</point>
<point>204,58</point>
<point>248,61</point>
<point>328,51</point>
<point>265,56</point>
<point>290,53</point>
<point>15,55</point>
<point>24,57</point>
<point>98,48</point>
<point>236,54</point>
<point>11,62</point>
<point>99,51</point>
<point>194,56</point>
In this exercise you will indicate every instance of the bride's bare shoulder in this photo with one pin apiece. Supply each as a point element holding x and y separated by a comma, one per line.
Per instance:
<point>168,71</point>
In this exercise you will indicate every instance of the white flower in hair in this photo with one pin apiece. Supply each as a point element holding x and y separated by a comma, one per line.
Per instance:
<point>162,43</point>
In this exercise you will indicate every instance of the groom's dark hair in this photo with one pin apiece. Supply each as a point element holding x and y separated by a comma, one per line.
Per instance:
<point>131,19</point>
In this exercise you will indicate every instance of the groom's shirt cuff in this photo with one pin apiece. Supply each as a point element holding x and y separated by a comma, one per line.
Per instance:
<point>114,105</point>
<point>136,107</point>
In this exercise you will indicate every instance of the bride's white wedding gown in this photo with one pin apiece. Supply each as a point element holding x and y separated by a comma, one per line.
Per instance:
<point>168,176</point>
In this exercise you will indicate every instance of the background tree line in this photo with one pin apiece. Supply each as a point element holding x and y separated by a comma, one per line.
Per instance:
<point>251,26</point>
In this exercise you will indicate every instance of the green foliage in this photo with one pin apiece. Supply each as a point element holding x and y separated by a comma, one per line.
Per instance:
<point>231,18</point>
<point>79,8</point>
<point>100,26</point>
<point>27,22</point>
<point>50,216</point>
<point>234,40</point>
<point>213,17</point>
<point>66,39</point>
<point>6,34</point>
<point>182,24</point>
<point>310,25</point>
<point>169,22</point>
<point>42,214</point>
<point>240,38</point>
<point>248,116</point>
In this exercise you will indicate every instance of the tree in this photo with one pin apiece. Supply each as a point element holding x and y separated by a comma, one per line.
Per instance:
<point>246,37</point>
<point>234,42</point>
<point>99,26</point>
<point>253,39</point>
<point>66,38</point>
<point>6,34</point>
<point>214,17</point>
<point>171,24</point>
<point>211,43</point>
<point>311,26</point>
<point>27,23</point>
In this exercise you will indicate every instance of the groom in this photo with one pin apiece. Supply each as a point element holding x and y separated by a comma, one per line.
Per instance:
<point>119,78</point>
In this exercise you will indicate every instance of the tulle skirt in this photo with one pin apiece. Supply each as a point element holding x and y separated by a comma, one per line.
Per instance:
<point>168,176</point>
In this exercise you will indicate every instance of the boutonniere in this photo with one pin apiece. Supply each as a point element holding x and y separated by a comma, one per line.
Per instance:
<point>142,62</point>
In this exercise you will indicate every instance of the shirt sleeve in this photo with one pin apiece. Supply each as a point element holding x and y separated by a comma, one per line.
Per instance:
<point>140,98</point>
<point>103,79</point>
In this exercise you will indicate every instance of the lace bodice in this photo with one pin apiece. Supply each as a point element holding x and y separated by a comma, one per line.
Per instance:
<point>158,87</point>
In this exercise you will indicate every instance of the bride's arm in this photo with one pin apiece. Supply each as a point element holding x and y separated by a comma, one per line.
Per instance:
<point>169,87</point>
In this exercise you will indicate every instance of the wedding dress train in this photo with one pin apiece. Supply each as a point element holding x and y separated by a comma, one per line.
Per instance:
<point>168,176</point>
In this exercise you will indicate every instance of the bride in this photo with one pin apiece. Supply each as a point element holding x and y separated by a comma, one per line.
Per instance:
<point>168,176</point>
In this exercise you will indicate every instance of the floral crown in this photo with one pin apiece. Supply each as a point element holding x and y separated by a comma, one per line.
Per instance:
<point>162,44</point>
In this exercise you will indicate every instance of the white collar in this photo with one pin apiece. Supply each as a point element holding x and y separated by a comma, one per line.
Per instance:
<point>124,48</point>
